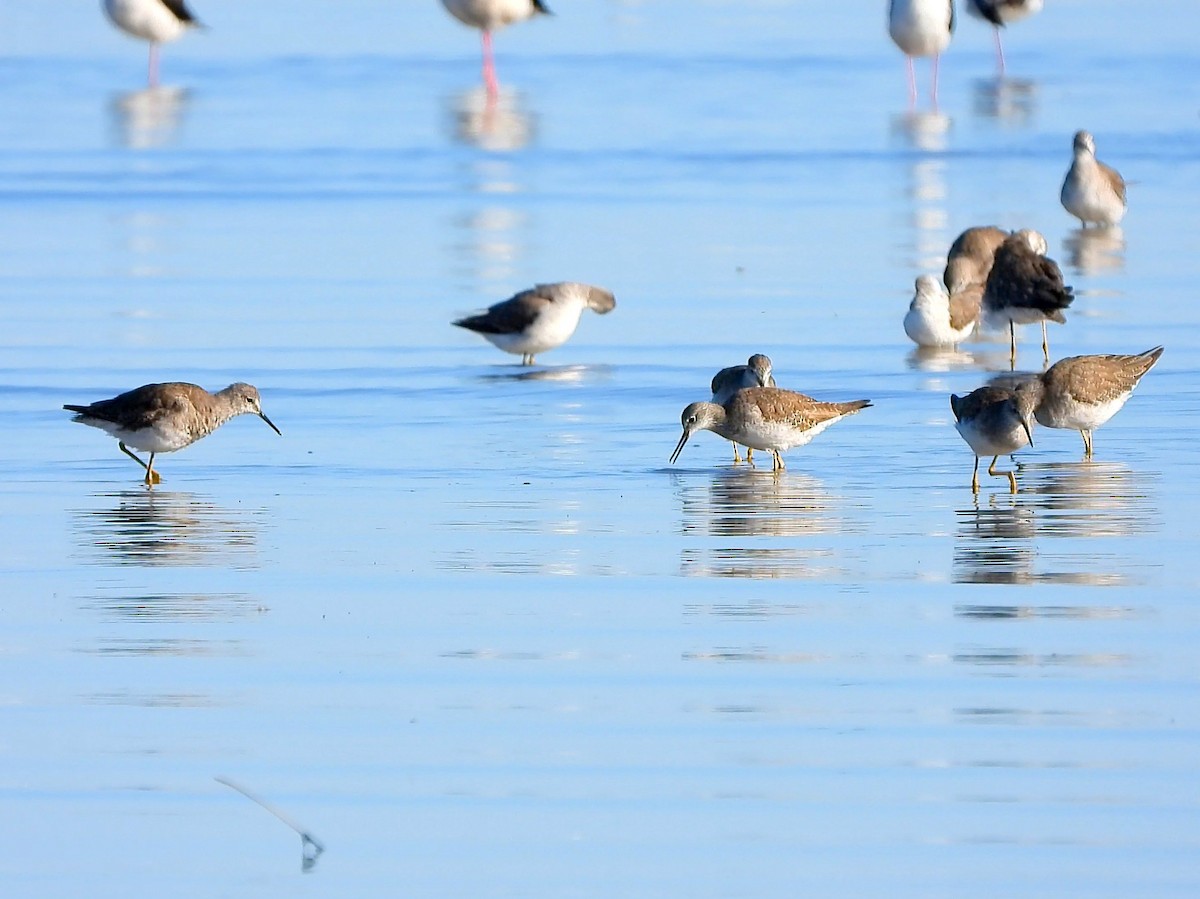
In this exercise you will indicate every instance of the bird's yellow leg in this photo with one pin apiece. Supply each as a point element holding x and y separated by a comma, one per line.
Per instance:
<point>750,454</point>
<point>1012,352</point>
<point>975,477</point>
<point>778,461</point>
<point>1045,342</point>
<point>736,455</point>
<point>1087,444</point>
<point>1012,478</point>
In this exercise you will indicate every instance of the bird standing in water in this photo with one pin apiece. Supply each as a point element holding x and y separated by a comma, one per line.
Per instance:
<point>488,16</point>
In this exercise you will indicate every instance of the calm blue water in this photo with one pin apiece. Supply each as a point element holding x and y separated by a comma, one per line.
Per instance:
<point>463,621</point>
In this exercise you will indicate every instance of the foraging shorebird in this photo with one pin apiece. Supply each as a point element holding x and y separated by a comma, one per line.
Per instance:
<point>1081,393</point>
<point>488,16</point>
<point>994,421</point>
<point>921,28</point>
<point>1024,286</point>
<point>538,319</point>
<point>1092,191</point>
<point>163,418</point>
<point>728,381</point>
<point>765,418</point>
<point>970,258</point>
<point>156,21</point>
<point>1001,13</point>
<point>937,317</point>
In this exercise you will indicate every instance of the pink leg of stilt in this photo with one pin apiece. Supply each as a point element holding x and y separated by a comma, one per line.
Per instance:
<point>152,74</point>
<point>933,90</point>
<point>489,66</point>
<point>912,82</point>
<point>999,52</point>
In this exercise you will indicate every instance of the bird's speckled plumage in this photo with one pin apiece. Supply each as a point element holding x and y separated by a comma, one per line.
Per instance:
<point>163,418</point>
<point>765,418</point>
<point>1081,393</point>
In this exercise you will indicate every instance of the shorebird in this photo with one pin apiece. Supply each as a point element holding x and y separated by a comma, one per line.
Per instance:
<point>937,317</point>
<point>765,418</point>
<point>538,319</point>
<point>995,421</point>
<point>156,21</point>
<point>971,255</point>
<point>1001,13</point>
<point>163,418</point>
<point>1092,191</point>
<point>488,16</point>
<point>921,28</point>
<point>1024,286</point>
<point>728,381</point>
<point>1083,392</point>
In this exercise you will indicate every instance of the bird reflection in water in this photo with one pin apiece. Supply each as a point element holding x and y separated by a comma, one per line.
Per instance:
<point>747,503</point>
<point>148,118</point>
<point>1012,101</point>
<point>926,190</point>
<point>1006,539</point>
<point>497,123</point>
<point>164,528</point>
<point>936,359</point>
<point>566,374</point>
<point>1094,251</point>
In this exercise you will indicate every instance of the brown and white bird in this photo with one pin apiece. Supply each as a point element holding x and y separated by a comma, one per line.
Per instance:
<point>156,21</point>
<point>489,16</point>
<point>728,381</point>
<point>539,319</point>
<point>1081,393</point>
<point>1024,286</point>
<point>921,28</point>
<point>970,258</point>
<point>1000,13</point>
<point>163,418</point>
<point>765,418</point>
<point>1092,191</point>
<point>938,318</point>
<point>995,421</point>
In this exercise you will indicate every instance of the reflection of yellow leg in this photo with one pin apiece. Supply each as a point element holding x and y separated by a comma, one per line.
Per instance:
<point>1087,444</point>
<point>975,477</point>
<point>1012,478</point>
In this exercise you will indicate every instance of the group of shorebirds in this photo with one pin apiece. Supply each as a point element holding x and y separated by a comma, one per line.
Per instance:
<point>991,276</point>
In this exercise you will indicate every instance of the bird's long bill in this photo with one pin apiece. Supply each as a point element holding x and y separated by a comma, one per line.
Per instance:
<point>1028,430</point>
<point>271,423</point>
<point>679,446</point>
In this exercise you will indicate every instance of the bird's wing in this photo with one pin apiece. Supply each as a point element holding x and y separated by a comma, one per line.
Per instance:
<point>512,316</point>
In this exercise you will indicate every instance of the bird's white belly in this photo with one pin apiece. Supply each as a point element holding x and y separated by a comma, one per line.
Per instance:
<point>769,435</point>
<point>992,442</point>
<point>931,327</point>
<point>919,28</point>
<point>549,330</point>
<point>489,14</point>
<point>1068,413</point>
<point>1092,200</point>
<point>159,439</point>
<point>147,19</point>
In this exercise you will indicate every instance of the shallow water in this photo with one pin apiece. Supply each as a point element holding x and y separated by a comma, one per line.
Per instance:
<point>463,621</point>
